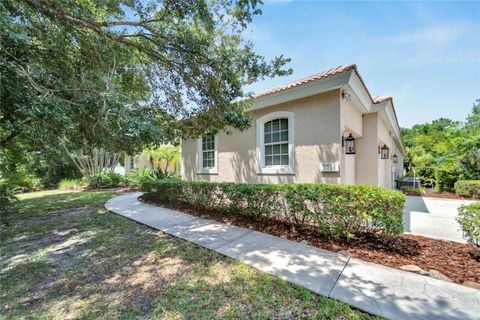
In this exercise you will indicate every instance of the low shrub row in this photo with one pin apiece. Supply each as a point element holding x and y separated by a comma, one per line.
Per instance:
<point>468,188</point>
<point>333,209</point>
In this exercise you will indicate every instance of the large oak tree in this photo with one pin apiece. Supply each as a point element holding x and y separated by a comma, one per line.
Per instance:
<point>122,74</point>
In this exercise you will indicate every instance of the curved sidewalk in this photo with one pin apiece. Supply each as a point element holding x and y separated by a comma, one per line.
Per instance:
<point>377,289</point>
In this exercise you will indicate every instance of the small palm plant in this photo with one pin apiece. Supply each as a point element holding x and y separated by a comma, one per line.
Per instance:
<point>165,156</point>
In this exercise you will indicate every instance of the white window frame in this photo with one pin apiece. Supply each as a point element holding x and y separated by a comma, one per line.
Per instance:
<point>260,130</point>
<point>200,168</point>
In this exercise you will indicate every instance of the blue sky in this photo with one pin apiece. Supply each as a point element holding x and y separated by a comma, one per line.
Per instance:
<point>424,54</point>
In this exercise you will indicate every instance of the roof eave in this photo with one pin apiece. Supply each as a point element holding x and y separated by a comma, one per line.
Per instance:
<point>315,87</point>
<point>389,109</point>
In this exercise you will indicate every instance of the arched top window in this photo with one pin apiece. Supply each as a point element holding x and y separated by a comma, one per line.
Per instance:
<point>275,149</point>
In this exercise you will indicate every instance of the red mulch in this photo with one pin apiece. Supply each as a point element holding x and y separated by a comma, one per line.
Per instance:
<point>450,258</point>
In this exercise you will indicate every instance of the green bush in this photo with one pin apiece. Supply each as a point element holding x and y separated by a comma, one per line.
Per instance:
<point>137,177</point>
<point>468,188</point>
<point>105,180</point>
<point>159,174</point>
<point>24,180</point>
<point>427,176</point>
<point>66,184</point>
<point>8,198</point>
<point>334,209</point>
<point>446,179</point>
<point>8,194</point>
<point>134,179</point>
<point>469,220</point>
<point>414,191</point>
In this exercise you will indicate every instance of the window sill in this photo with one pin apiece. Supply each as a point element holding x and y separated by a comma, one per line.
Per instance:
<point>207,171</point>
<point>278,170</point>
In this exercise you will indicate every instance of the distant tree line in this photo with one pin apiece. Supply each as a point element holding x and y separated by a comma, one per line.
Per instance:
<point>444,150</point>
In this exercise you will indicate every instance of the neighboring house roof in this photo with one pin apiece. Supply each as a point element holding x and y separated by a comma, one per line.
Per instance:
<point>311,85</point>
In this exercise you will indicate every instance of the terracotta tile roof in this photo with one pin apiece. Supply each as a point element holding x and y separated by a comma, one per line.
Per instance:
<point>326,74</point>
<point>318,76</point>
<point>322,75</point>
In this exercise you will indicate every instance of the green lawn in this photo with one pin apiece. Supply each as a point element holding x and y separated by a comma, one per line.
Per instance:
<point>91,264</point>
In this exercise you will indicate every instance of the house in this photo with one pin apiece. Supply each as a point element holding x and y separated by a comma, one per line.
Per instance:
<point>326,128</point>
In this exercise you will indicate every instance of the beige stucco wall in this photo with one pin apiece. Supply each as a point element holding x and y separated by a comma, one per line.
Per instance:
<point>316,139</point>
<point>367,151</point>
<point>351,121</point>
<point>385,165</point>
<point>351,117</point>
<point>371,169</point>
<point>320,121</point>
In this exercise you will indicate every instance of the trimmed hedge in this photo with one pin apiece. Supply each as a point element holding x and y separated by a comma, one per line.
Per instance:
<point>334,209</point>
<point>469,220</point>
<point>468,188</point>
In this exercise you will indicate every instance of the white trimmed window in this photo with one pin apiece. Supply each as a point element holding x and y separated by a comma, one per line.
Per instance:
<point>275,148</point>
<point>207,155</point>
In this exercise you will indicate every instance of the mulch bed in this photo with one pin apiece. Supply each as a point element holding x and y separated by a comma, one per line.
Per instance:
<point>450,258</point>
<point>442,195</point>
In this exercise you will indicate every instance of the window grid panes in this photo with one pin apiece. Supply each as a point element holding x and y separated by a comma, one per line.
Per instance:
<point>276,142</point>
<point>208,151</point>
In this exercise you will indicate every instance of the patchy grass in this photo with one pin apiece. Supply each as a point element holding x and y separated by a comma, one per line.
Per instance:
<point>90,264</point>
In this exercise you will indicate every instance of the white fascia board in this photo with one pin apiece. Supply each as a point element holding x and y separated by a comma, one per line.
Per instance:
<point>393,122</point>
<point>376,107</point>
<point>359,90</point>
<point>387,108</point>
<point>302,91</point>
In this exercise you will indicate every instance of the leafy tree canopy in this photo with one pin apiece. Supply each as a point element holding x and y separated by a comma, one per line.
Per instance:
<point>447,144</point>
<point>122,74</point>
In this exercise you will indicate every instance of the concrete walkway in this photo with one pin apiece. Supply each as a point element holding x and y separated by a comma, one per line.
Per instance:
<point>379,290</point>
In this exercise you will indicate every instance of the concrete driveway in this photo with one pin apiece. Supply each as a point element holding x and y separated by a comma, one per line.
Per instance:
<point>433,217</point>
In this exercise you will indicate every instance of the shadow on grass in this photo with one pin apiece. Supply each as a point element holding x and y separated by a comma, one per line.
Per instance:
<point>119,269</point>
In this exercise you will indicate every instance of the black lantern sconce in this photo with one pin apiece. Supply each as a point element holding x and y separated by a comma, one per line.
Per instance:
<point>349,144</point>
<point>395,158</point>
<point>384,152</point>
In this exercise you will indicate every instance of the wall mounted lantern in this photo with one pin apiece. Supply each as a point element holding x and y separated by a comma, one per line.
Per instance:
<point>384,152</point>
<point>395,158</point>
<point>349,144</point>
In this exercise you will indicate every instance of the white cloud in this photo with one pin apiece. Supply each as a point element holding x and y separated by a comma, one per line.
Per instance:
<point>446,43</point>
<point>436,35</point>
